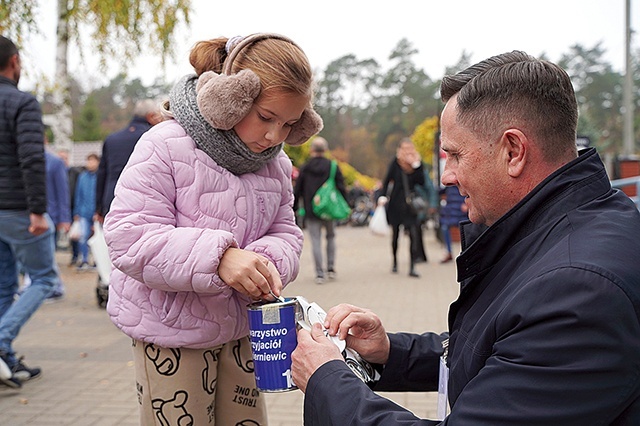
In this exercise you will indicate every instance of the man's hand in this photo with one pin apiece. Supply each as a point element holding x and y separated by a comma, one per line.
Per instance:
<point>314,349</point>
<point>362,330</point>
<point>39,224</point>
<point>249,273</point>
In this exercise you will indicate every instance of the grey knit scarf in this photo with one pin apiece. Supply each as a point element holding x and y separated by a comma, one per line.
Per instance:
<point>223,146</point>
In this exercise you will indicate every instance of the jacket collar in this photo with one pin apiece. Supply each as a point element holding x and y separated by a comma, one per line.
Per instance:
<point>574,184</point>
<point>6,80</point>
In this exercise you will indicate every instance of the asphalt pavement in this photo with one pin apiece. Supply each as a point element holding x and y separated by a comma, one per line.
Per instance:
<point>88,375</point>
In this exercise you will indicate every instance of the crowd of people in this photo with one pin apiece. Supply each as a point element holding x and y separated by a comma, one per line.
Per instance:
<point>46,204</point>
<point>199,215</point>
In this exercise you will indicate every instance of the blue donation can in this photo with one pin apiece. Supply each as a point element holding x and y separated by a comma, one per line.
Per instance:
<point>272,329</point>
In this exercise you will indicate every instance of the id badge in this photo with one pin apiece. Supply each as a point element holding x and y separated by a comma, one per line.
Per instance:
<point>443,385</point>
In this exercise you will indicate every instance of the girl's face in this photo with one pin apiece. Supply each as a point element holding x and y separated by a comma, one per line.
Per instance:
<point>270,119</point>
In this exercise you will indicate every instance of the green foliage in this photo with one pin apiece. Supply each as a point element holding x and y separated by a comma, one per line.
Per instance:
<point>298,154</point>
<point>88,124</point>
<point>122,29</point>
<point>424,137</point>
<point>599,93</point>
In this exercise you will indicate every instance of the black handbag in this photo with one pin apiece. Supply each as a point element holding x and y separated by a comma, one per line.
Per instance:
<point>417,205</point>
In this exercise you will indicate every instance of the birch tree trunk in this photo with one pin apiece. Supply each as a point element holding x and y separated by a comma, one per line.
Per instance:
<point>63,125</point>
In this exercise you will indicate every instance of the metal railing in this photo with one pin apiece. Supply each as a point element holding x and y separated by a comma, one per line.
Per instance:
<point>635,180</point>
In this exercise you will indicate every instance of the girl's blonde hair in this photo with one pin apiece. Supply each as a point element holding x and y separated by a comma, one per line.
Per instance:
<point>279,63</point>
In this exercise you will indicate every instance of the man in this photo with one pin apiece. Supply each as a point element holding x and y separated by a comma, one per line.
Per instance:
<point>58,205</point>
<point>117,149</point>
<point>546,329</point>
<point>25,227</point>
<point>312,175</point>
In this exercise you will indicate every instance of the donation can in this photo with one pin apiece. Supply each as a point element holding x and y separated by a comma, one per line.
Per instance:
<point>272,331</point>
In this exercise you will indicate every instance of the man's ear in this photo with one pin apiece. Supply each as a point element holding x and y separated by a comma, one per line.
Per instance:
<point>516,144</point>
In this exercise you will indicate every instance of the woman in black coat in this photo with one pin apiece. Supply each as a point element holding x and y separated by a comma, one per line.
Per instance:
<point>409,164</point>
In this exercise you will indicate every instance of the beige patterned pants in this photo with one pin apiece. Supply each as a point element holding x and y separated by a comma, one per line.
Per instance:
<point>181,387</point>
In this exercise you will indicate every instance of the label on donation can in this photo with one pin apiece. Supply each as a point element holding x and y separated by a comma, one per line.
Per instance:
<point>272,330</point>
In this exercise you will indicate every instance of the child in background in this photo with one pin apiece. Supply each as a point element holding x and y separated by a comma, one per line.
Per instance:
<point>84,206</point>
<point>202,224</point>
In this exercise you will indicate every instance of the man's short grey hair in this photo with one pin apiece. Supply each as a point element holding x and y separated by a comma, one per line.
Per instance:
<point>146,106</point>
<point>319,144</point>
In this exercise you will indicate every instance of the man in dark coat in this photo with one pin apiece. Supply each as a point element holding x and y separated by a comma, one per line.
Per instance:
<point>312,175</point>
<point>546,329</point>
<point>117,149</point>
<point>25,227</point>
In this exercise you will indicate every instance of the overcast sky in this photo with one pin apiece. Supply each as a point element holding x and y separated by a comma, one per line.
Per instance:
<point>328,29</point>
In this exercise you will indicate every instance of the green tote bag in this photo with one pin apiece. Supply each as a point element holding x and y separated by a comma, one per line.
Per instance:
<point>328,202</point>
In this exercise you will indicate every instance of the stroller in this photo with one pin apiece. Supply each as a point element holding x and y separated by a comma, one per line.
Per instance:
<point>100,253</point>
<point>362,211</point>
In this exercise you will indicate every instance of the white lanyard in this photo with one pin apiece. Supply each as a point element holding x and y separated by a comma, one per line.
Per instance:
<point>443,384</point>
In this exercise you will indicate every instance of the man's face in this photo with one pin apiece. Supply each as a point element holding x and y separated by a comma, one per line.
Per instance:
<point>472,164</point>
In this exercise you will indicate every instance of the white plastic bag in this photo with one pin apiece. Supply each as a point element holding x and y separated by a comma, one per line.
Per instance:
<point>378,223</point>
<point>75,232</point>
<point>100,253</point>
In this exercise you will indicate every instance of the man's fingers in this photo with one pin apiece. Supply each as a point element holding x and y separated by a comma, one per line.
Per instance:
<point>317,333</point>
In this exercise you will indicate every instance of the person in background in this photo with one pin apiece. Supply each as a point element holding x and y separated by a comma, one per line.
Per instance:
<point>313,174</point>
<point>452,211</point>
<point>546,327</point>
<point>25,227</point>
<point>202,225</point>
<point>406,167</point>
<point>84,208</point>
<point>117,149</point>
<point>58,204</point>
<point>72,172</point>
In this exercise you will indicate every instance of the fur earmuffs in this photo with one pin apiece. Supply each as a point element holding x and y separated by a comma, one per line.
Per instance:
<point>224,100</point>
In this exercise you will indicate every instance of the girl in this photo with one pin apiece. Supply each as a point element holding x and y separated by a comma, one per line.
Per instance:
<point>202,224</point>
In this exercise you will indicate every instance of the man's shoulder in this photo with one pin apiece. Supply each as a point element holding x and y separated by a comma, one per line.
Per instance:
<point>56,162</point>
<point>130,133</point>
<point>18,98</point>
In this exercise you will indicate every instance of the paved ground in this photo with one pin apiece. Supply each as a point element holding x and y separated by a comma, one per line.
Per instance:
<point>87,363</point>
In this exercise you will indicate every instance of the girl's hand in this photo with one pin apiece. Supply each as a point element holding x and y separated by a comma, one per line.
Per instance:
<point>249,273</point>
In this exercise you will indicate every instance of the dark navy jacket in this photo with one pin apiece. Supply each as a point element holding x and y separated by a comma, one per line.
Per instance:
<point>546,330</point>
<point>22,164</point>
<point>116,150</point>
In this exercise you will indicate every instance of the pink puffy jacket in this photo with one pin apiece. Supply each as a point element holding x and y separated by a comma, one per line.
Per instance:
<point>174,214</point>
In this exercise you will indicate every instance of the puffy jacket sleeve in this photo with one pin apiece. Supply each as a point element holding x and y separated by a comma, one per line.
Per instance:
<point>30,141</point>
<point>282,244</point>
<point>140,229</point>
